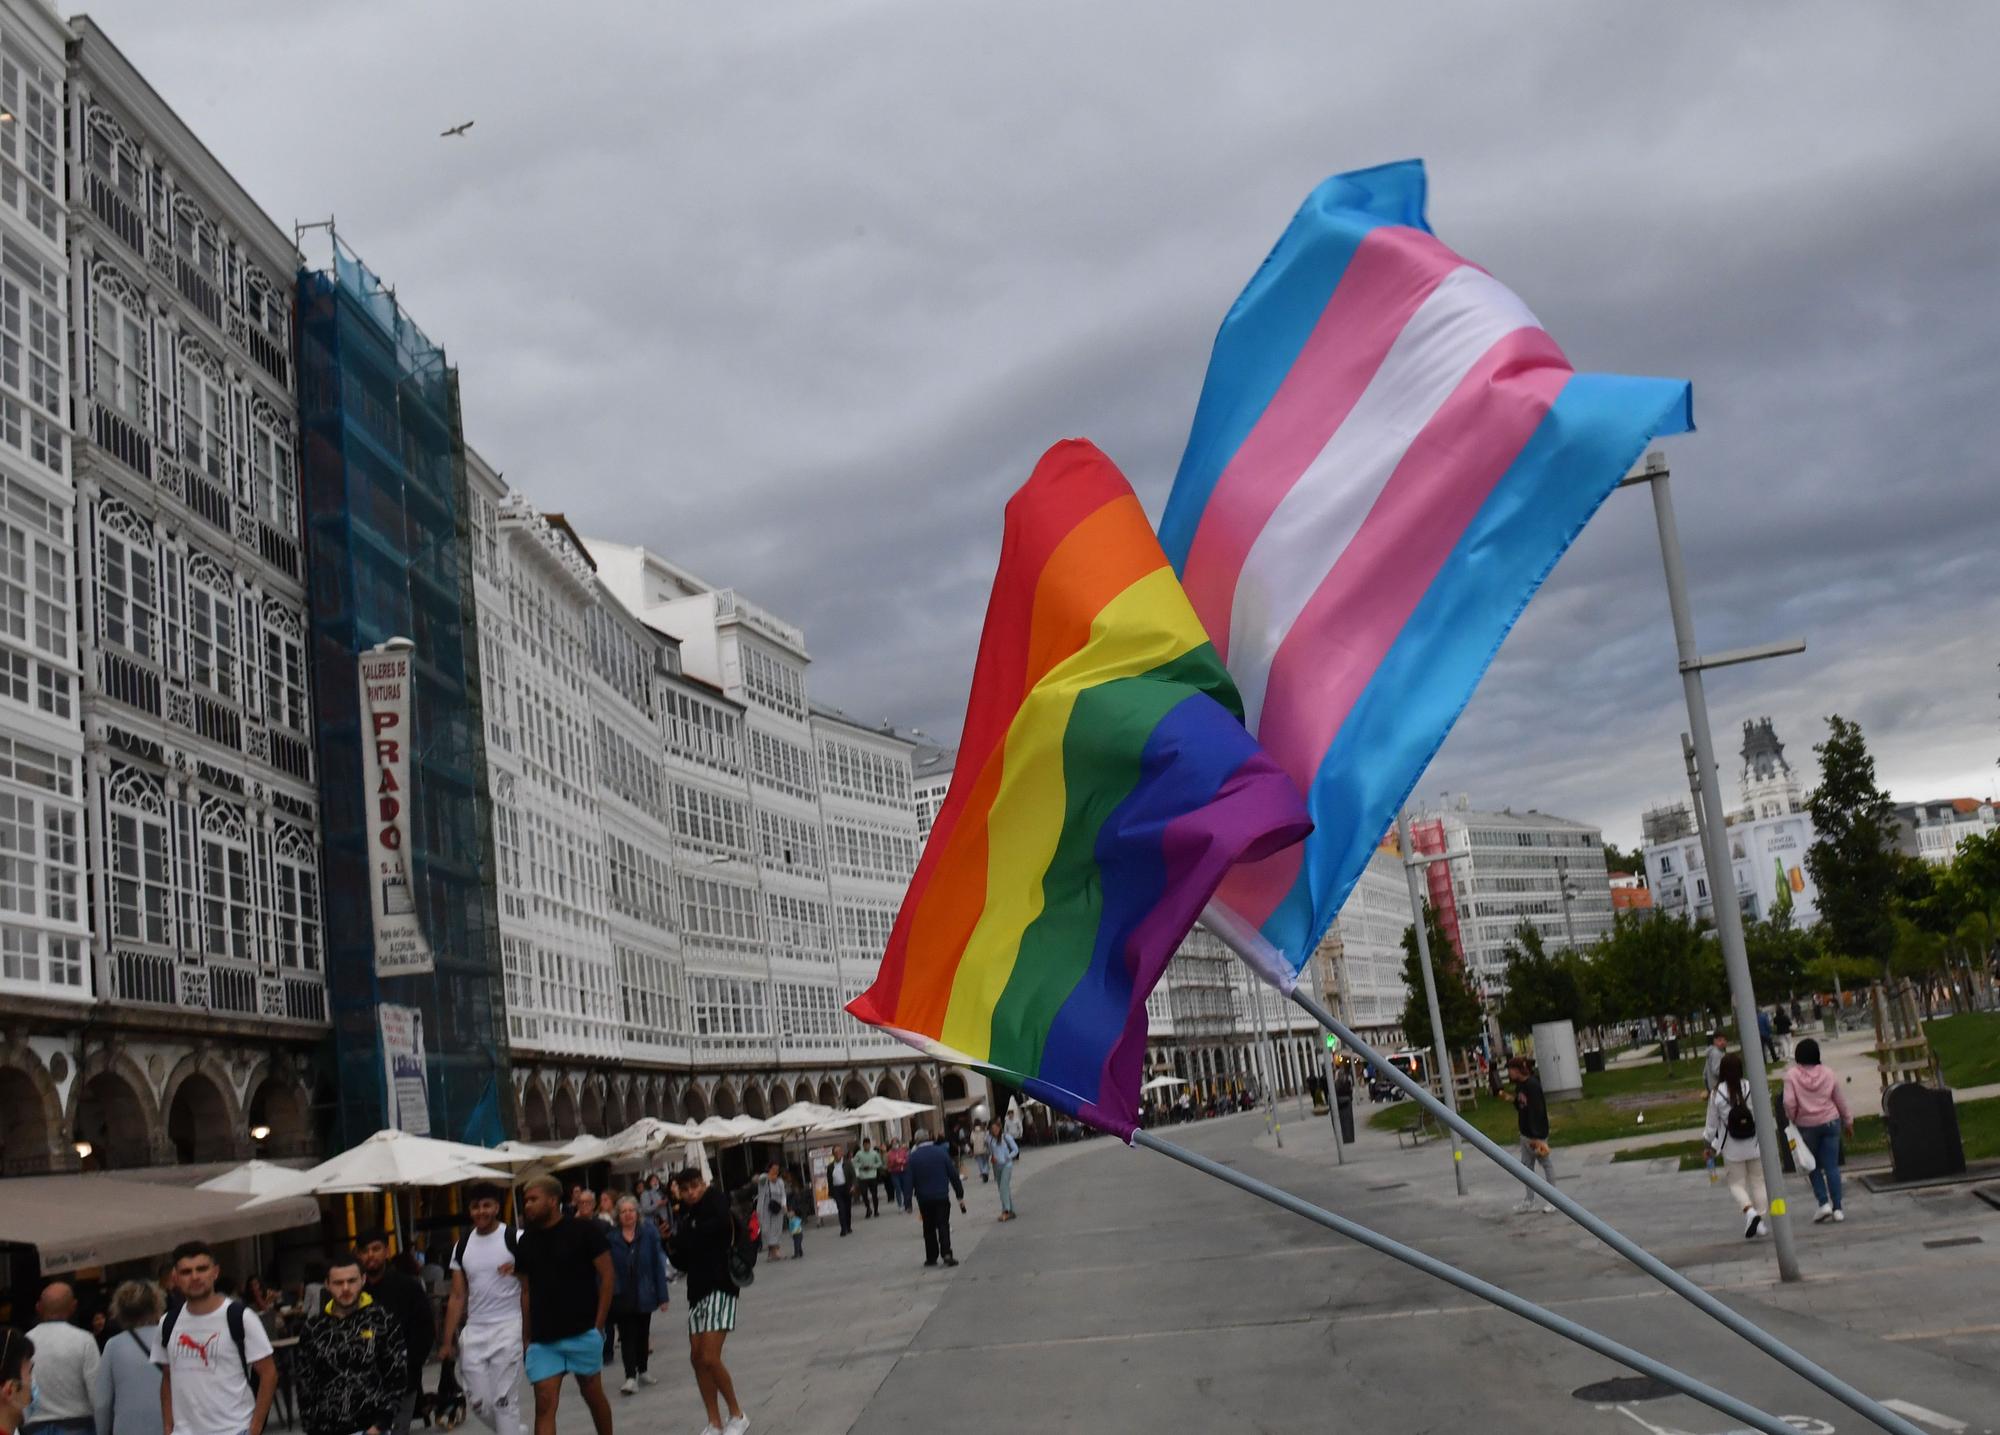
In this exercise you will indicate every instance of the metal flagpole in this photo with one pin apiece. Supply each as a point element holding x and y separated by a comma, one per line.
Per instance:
<point>1709,816</point>
<point>1254,1009</point>
<point>1411,862</point>
<point>1547,1319</point>
<point>1645,1260</point>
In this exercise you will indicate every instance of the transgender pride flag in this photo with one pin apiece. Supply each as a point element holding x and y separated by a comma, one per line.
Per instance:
<point>1388,457</point>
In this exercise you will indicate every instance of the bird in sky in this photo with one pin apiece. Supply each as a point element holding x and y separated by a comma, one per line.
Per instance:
<point>456,130</point>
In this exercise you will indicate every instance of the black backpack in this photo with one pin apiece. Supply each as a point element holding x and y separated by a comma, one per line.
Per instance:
<point>1740,1121</point>
<point>234,1313</point>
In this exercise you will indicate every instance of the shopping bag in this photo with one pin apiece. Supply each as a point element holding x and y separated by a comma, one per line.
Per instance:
<point>1801,1152</point>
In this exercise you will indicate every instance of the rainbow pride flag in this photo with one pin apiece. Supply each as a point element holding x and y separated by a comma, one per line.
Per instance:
<point>1104,785</point>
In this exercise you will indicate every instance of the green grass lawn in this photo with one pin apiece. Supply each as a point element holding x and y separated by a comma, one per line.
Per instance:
<point>1611,1105</point>
<point>1978,1129</point>
<point>1968,1047</point>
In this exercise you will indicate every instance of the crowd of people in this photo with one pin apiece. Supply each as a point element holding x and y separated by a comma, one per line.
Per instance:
<point>512,1311</point>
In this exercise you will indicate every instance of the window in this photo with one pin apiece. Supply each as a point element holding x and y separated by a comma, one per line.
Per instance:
<point>718,913</point>
<point>704,733</point>
<point>194,239</point>
<point>31,328</point>
<point>273,496</point>
<point>284,669</point>
<point>211,628</point>
<point>295,903</point>
<point>140,864</point>
<point>225,882</point>
<point>772,682</point>
<point>709,820</point>
<point>128,599</point>
<point>119,359</point>
<point>783,765</point>
<point>34,600</point>
<point>204,415</point>
<point>31,140</point>
<point>117,164</point>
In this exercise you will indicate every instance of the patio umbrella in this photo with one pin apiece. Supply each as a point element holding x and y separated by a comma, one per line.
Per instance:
<point>396,1158</point>
<point>1163,1083</point>
<point>887,1108</point>
<point>259,1178</point>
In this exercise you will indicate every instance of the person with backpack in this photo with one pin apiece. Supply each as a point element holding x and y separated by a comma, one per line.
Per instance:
<point>1815,1104</point>
<point>1731,1135</point>
<point>704,1248</point>
<point>220,1375</point>
<point>486,1299</point>
<point>351,1359</point>
<point>128,1383</point>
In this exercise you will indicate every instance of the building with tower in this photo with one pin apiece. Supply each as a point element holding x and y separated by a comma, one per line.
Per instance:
<point>1770,788</point>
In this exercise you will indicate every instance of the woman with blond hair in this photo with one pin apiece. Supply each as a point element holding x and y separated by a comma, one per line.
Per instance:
<point>128,1383</point>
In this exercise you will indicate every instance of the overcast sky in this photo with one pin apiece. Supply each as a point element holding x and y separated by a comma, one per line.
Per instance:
<point>797,292</point>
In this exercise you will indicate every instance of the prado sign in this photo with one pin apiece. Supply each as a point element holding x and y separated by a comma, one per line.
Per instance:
<point>400,948</point>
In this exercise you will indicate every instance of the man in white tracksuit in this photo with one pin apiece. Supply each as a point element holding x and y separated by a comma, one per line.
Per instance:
<point>487,1298</point>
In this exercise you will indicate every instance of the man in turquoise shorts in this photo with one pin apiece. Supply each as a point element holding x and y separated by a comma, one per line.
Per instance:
<point>564,1266</point>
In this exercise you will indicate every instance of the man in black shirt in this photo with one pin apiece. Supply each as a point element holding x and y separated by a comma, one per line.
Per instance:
<point>1531,1118</point>
<point>404,1298</point>
<point>350,1359</point>
<point>701,1246</point>
<point>564,1266</point>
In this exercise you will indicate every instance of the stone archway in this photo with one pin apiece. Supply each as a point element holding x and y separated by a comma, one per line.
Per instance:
<point>113,1116</point>
<point>753,1102</point>
<point>803,1091</point>
<point>276,1104</point>
<point>887,1085</point>
<point>694,1106</point>
<point>536,1124</point>
<point>590,1111</point>
<point>921,1089</point>
<point>725,1099</point>
<point>199,1120</point>
<point>563,1113</point>
<point>829,1094</point>
<point>30,1126</point>
<point>854,1092</point>
<point>615,1118</point>
<point>953,1083</point>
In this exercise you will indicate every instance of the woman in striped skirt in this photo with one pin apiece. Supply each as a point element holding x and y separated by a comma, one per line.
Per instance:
<point>700,1247</point>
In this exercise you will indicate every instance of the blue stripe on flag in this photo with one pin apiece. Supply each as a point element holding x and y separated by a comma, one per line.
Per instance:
<point>1597,427</point>
<point>1268,325</point>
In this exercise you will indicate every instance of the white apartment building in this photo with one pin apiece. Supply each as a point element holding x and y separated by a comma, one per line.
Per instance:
<point>1365,947</point>
<point>158,737</point>
<point>1768,857</point>
<point>932,769</point>
<point>1215,1025</point>
<point>1512,867</point>
<point>1933,830</point>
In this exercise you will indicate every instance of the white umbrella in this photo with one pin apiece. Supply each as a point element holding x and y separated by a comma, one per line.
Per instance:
<point>641,1139</point>
<point>259,1178</point>
<point>396,1158</point>
<point>887,1108</point>
<point>726,1130</point>
<point>803,1116</point>
<point>1163,1083</point>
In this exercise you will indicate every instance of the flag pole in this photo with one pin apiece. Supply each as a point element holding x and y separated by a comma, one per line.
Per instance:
<point>1447,1080</point>
<point>1547,1319</point>
<point>1645,1260</point>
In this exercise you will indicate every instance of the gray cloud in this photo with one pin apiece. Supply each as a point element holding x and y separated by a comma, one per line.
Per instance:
<point>796,292</point>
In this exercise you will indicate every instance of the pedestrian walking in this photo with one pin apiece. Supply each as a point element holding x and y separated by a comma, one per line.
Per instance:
<point>773,1208</point>
<point>127,1396</point>
<point>1816,1105</point>
<point>639,1271</point>
<point>1781,1028</point>
<point>482,1319</point>
<point>1766,1034</point>
<point>407,1300</point>
<point>798,1206</point>
<point>1003,1151</point>
<point>868,1169</point>
<point>220,1375</point>
<point>701,1249</point>
<point>896,1163</point>
<point>650,1196</point>
<point>1730,1133</point>
<point>1531,1121</point>
<point>840,1185</point>
<point>66,1361</point>
<point>934,1179</point>
<point>977,1138</point>
<point>351,1359</point>
<point>564,1266</point>
<point>1711,1064</point>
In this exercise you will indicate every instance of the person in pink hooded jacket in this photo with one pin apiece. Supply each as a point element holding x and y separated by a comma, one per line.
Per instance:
<point>1814,1103</point>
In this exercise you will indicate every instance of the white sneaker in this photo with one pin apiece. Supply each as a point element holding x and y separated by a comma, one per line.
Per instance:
<point>1753,1225</point>
<point>737,1426</point>
<point>646,1377</point>
<point>1548,1209</point>
<point>1838,1214</point>
<point>630,1387</point>
<point>711,1430</point>
<point>1823,1214</point>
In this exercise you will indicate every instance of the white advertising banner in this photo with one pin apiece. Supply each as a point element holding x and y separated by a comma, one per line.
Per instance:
<point>408,1098</point>
<point>400,948</point>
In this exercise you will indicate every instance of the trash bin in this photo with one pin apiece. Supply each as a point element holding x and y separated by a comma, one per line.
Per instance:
<point>1347,1122</point>
<point>1593,1060</point>
<point>1922,1122</point>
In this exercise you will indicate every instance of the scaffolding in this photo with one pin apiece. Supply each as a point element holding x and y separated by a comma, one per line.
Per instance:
<point>385,492</point>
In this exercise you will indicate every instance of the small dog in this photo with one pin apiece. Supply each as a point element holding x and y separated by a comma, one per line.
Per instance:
<point>444,1410</point>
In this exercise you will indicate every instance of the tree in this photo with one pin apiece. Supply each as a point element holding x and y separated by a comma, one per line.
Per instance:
<point>1779,953</point>
<point>1539,987</point>
<point>1854,861</point>
<point>1655,964</point>
<point>1631,863</point>
<point>1458,1003</point>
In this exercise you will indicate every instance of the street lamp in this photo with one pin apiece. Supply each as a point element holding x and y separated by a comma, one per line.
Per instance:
<point>83,1148</point>
<point>259,1132</point>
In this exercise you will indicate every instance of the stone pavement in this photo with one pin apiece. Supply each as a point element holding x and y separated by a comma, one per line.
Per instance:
<point>1134,1295</point>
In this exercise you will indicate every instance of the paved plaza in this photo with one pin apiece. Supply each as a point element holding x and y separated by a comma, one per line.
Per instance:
<point>1134,1295</point>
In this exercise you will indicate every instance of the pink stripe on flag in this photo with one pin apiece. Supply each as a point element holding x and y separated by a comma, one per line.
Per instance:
<point>1348,626</point>
<point>1393,270</point>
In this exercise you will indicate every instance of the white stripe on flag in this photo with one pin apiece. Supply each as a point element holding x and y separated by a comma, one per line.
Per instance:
<point>1465,316</point>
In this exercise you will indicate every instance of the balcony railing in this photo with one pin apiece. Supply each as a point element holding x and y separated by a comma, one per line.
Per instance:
<point>270,354</point>
<point>280,550</point>
<point>198,290</point>
<point>143,977</point>
<point>129,681</point>
<point>119,215</point>
<point>155,979</point>
<point>122,439</point>
<point>209,499</point>
<point>218,722</point>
